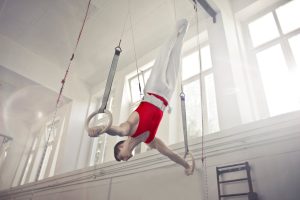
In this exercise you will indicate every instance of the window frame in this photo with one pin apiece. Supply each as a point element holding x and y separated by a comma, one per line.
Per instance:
<point>102,139</point>
<point>201,77</point>
<point>142,70</point>
<point>251,52</point>
<point>33,159</point>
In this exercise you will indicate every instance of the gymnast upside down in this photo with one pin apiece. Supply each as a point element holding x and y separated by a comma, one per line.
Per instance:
<point>142,124</point>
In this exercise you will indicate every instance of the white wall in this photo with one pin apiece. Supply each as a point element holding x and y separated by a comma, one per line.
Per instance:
<point>22,61</point>
<point>233,105</point>
<point>270,146</point>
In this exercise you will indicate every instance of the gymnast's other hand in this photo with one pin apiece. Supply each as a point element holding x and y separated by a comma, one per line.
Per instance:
<point>190,170</point>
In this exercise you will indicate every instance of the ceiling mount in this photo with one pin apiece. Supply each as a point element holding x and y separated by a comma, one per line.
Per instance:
<point>207,7</point>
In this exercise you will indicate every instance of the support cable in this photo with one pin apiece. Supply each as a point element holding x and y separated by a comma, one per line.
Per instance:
<point>203,158</point>
<point>63,81</point>
<point>133,42</point>
<point>187,153</point>
<point>106,95</point>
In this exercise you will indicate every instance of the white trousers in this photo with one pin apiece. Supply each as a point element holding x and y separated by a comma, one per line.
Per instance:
<point>164,74</point>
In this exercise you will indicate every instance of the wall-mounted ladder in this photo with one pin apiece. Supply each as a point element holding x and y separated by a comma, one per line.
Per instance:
<point>235,168</point>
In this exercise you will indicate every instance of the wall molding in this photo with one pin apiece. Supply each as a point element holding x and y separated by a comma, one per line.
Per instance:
<point>264,132</point>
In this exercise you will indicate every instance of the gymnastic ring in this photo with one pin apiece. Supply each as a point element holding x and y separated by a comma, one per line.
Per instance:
<point>189,154</point>
<point>90,117</point>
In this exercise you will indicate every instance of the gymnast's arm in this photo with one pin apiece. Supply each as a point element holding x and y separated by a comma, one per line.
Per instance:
<point>127,128</point>
<point>163,149</point>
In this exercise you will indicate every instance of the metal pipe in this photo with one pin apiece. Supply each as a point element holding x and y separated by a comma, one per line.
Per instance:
<point>205,5</point>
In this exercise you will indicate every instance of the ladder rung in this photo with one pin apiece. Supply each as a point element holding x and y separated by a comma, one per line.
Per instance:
<point>234,180</point>
<point>240,164</point>
<point>231,170</point>
<point>234,195</point>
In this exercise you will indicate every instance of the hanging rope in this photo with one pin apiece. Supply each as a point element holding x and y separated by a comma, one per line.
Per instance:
<point>133,42</point>
<point>112,72</point>
<point>187,154</point>
<point>105,98</point>
<point>107,91</point>
<point>175,13</point>
<point>203,158</point>
<point>201,83</point>
<point>184,124</point>
<point>63,81</point>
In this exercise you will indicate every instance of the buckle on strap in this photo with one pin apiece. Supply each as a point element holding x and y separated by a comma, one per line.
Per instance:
<point>155,101</point>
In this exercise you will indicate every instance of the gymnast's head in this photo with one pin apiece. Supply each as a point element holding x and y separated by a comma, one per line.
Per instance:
<point>122,152</point>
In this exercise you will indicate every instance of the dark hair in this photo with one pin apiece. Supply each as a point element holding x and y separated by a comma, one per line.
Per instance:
<point>117,150</point>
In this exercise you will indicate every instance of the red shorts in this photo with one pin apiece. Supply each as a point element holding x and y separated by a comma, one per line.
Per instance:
<point>149,119</point>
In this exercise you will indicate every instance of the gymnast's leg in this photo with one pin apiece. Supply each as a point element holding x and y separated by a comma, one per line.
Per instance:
<point>163,78</point>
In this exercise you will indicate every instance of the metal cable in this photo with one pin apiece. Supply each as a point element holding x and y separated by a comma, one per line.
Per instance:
<point>61,91</point>
<point>133,42</point>
<point>203,158</point>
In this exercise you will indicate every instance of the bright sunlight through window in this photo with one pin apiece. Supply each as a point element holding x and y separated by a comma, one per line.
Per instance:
<point>275,77</point>
<point>289,16</point>
<point>263,30</point>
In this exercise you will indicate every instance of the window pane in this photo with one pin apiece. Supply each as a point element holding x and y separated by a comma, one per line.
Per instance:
<point>205,58</point>
<point>34,144</point>
<point>134,85</point>
<point>144,77</point>
<point>135,91</point>
<point>275,78</point>
<point>295,46</point>
<point>212,113</point>
<point>190,65</point>
<point>295,72</point>
<point>45,162</point>
<point>26,169</point>
<point>289,16</point>
<point>263,30</point>
<point>100,149</point>
<point>193,107</point>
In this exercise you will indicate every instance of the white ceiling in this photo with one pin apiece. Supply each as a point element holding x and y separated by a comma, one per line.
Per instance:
<point>50,29</point>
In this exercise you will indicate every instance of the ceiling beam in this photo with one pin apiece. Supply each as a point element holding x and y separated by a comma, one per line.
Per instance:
<point>205,5</point>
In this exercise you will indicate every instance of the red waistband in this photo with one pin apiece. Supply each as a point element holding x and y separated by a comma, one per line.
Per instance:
<point>160,98</point>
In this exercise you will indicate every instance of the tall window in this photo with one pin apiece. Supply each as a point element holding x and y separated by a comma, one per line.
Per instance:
<point>275,46</point>
<point>141,79</point>
<point>101,141</point>
<point>48,138</point>
<point>29,162</point>
<point>192,89</point>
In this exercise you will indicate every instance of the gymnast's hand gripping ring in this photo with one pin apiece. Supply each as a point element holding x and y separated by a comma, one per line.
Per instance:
<point>189,155</point>
<point>91,131</point>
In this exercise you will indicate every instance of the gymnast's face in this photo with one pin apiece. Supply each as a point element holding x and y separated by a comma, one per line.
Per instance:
<point>124,154</point>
